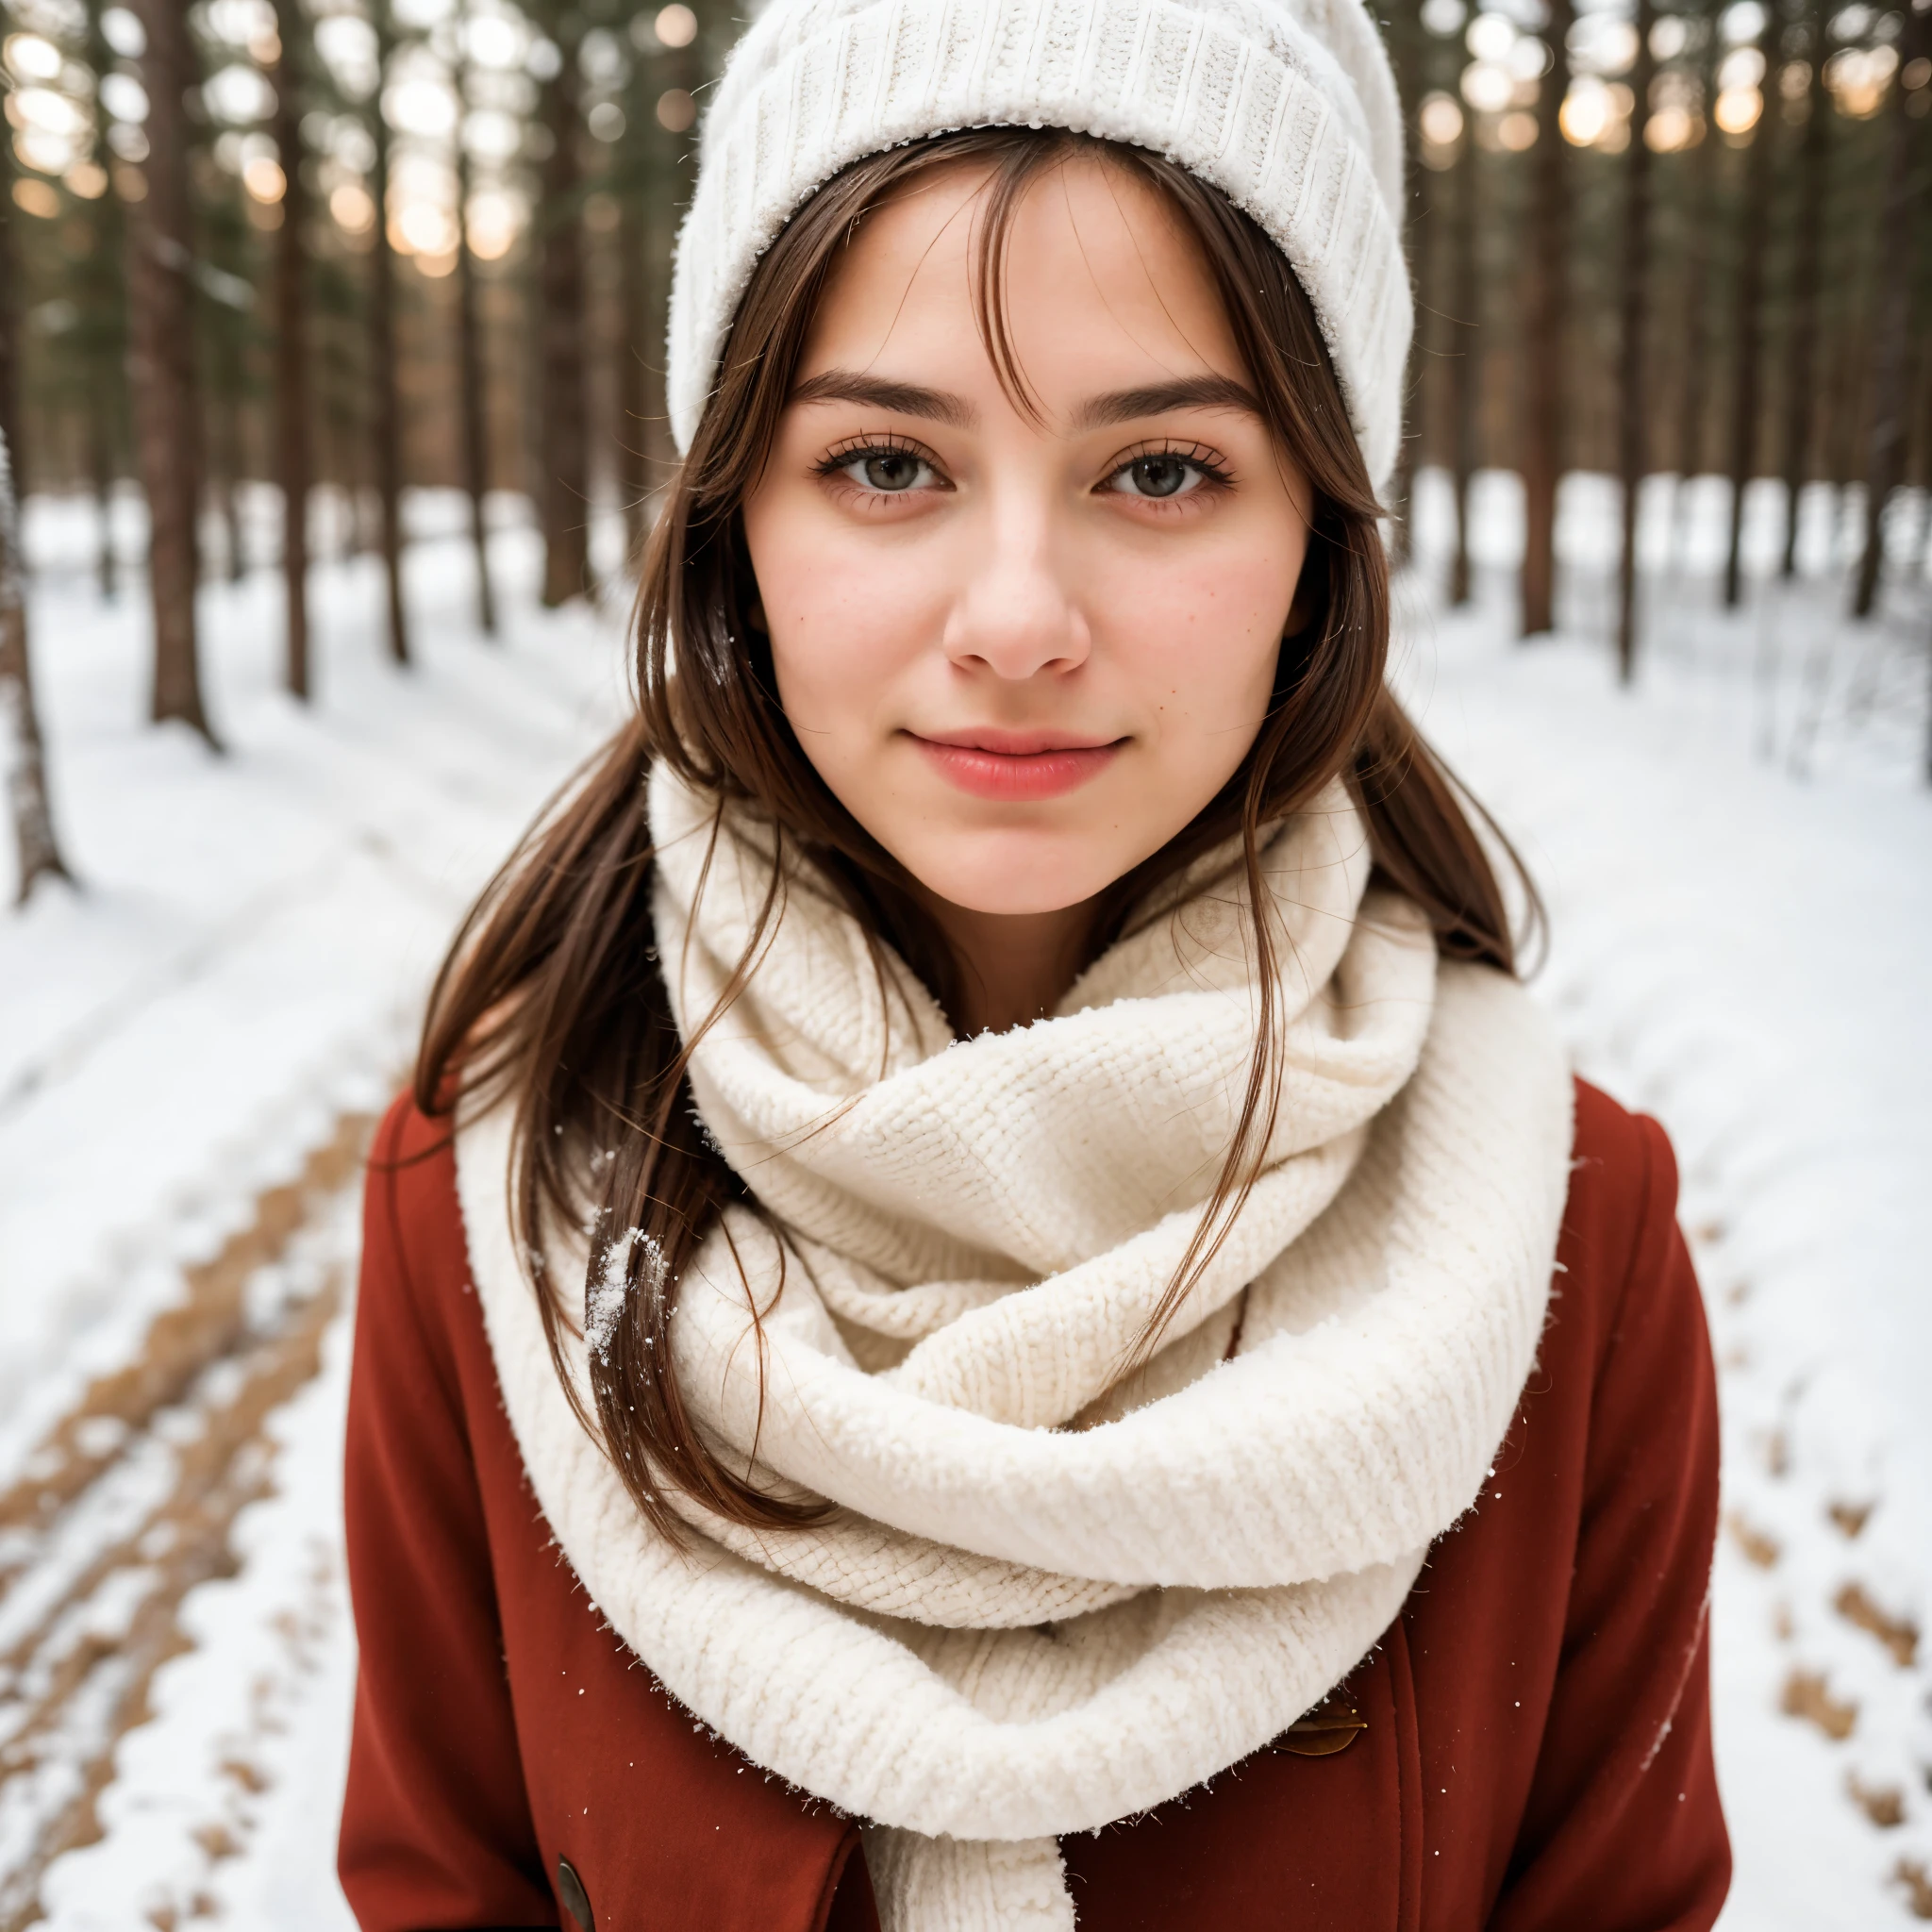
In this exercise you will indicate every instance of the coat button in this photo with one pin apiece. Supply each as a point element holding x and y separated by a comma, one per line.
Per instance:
<point>576,1901</point>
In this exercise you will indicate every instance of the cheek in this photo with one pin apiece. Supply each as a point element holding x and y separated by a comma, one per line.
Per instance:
<point>1201,635</point>
<point>844,618</point>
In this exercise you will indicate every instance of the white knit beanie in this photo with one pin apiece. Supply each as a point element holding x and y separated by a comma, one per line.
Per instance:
<point>1288,106</point>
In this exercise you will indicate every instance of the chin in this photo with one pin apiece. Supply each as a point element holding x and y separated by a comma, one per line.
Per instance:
<point>1012,874</point>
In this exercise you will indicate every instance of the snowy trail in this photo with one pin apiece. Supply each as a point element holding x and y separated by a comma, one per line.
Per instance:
<point>132,1502</point>
<point>256,930</point>
<point>1734,952</point>
<point>191,1051</point>
<point>1739,952</point>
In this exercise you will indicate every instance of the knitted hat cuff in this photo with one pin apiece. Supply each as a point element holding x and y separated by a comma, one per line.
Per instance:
<point>1292,116</point>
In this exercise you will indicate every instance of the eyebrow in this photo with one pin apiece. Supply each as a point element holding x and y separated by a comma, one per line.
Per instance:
<point>1097,412</point>
<point>906,398</point>
<point>1157,399</point>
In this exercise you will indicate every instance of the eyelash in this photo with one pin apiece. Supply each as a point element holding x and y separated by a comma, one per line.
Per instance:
<point>842,456</point>
<point>1209,462</point>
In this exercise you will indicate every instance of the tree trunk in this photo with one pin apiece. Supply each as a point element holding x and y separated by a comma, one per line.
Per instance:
<point>292,463</point>
<point>1800,370</point>
<point>1408,32</point>
<point>635,343</point>
<point>160,364</point>
<point>10,321</point>
<point>1747,360</point>
<point>1633,391</point>
<point>227,442</point>
<point>1465,362</point>
<point>471,376</point>
<point>100,449</point>
<point>1899,222</point>
<point>1545,314</point>
<point>37,852</point>
<point>651,211</point>
<point>386,423</point>
<point>563,435</point>
<point>1699,227</point>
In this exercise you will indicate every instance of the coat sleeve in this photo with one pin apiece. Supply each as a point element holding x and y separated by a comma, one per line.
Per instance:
<point>1623,1831</point>
<point>436,1828</point>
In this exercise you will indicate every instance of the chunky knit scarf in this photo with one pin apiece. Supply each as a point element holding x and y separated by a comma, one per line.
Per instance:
<point>1048,1598</point>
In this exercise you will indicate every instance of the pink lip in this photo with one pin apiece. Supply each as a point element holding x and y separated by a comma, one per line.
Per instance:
<point>1017,766</point>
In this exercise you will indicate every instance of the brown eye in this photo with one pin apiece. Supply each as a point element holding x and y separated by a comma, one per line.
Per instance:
<point>1162,474</point>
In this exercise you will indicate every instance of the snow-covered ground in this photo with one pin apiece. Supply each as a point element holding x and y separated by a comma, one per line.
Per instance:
<point>240,971</point>
<point>1736,859</point>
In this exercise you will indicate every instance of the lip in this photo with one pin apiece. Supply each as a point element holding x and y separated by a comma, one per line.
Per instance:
<point>1016,766</point>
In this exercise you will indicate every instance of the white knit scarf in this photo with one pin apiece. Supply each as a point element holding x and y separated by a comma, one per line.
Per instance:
<point>1045,1602</point>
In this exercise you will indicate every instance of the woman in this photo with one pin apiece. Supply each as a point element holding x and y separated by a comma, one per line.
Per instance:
<point>958,1331</point>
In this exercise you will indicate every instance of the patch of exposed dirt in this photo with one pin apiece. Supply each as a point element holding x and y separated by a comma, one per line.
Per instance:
<point>128,1505</point>
<point>1808,1696</point>
<point>1899,1635</point>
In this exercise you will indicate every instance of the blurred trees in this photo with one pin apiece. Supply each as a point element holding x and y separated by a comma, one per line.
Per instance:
<point>1672,233</point>
<point>354,247</point>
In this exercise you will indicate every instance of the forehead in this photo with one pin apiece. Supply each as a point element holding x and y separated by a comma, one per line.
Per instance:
<point>1102,283</point>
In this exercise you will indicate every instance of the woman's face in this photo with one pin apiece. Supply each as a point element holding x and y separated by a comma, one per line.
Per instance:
<point>1024,652</point>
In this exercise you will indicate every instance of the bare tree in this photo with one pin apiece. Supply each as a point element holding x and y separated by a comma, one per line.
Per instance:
<point>102,303</point>
<point>471,378</point>
<point>1546,309</point>
<point>100,452</point>
<point>1801,362</point>
<point>1406,31</point>
<point>1465,361</point>
<point>562,444</point>
<point>37,852</point>
<point>1700,205</point>
<point>386,415</point>
<point>161,363</point>
<point>638,342</point>
<point>1900,224</point>
<point>292,463</point>
<point>1633,391</point>
<point>662,120</point>
<point>1747,360</point>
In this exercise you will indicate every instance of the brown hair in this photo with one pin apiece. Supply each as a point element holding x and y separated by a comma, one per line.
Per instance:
<point>552,996</point>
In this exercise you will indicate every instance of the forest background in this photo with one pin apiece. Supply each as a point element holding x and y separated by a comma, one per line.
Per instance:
<point>352,246</point>
<point>330,368</point>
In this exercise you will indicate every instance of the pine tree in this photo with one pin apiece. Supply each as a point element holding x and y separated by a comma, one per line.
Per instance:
<point>1466,355</point>
<point>36,852</point>
<point>162,364</point>
<point>472,378</point>
<point>292,461</point>
<point>1900,235</point>
<point>1633,391</point>
<point>101,295</point>
<point>1747,321</point>
<point>564,451</point>
<point>386,413</point>
<point>1547,309</point>
<point>1801,360</point>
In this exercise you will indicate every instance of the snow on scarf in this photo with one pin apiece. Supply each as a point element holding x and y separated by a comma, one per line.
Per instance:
<point>1043,1602</point>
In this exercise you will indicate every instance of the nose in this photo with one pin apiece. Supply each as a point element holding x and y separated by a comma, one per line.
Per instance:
<point>1017,614</point>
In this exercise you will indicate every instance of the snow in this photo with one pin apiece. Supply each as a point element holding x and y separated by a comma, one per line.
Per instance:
<point>1735,860</point>
<point>245,961</point>
<point>255,929</point>
<point>1736,950</point>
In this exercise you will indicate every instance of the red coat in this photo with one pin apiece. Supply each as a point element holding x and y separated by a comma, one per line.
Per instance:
<point>1538,1745</point>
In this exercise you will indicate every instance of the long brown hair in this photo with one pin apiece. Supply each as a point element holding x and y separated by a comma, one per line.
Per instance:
<point>552,996</point>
